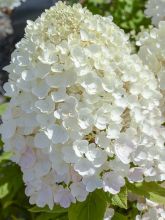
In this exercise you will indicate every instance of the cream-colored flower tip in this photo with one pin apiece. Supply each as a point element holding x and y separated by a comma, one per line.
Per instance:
<point>84,112</point>
<point>155,9</point>
<point>152,53</point>
<point>11,4</point>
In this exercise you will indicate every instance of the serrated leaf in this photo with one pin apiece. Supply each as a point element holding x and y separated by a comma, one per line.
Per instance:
<point>150,190</point>
<point>120,199</point>
<point>56,209</point>
<point>91,209</point>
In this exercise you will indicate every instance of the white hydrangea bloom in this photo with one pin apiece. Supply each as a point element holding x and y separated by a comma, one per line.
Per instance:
<point>150,210</point>
<point>84,112</point>
<point>156,10</point>
<point>152,53</point>
<point>11,4</point>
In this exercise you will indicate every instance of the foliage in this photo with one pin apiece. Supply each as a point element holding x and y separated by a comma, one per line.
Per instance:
<point>127,14</point>
<point>93,208</point>
<point>120,199</point>
<point>150,190</point>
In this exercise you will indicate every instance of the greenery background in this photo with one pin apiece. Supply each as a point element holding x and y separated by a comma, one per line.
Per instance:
<point>129,15</point>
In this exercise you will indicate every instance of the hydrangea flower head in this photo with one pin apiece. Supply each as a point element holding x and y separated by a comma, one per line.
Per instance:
<point>11,4</point>
<point>156,10</point>
<point>80,116</point>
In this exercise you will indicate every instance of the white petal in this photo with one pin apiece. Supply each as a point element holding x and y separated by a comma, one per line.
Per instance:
<point>112,182</point>
<point>78,191</point>
<point>113,131</point>
<point>59,96</point>
<point>10,89</point>
<point>57,134</point>
<point>45,197</point>
<point>64,198</point>
<point>7,129</point>
<point>41,70</point>
<point>92,183</point>
<point>84,167</point>
<point>46,105</point>
<point>136,174</point>
<point>28,159</point>
<point>91,83</point>
<point>97,156</point>
<point>40,88</point>
<point>69,155</point>
<point>123,149</point>
<point>80,147</point>
<point>41,140</point>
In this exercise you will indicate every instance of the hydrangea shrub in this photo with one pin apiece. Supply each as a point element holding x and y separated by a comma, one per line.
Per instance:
<point>85,118</point>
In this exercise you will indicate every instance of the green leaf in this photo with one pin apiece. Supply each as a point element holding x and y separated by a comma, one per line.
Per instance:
<point>91,209</point>
<point>120,199</point>
<point>71,2</point>
<point>133,212</point>
<point>97,1</point>
<point>56,209</point>
<point>52,216</point>
<point>5,156</point>
<point>3,108</point>
<point>150,190</point>
<point>10,174</point>
<point>4,190</point>
<point>119,216</point>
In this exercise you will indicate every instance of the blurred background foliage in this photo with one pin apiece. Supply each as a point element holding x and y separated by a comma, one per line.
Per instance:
<point>14,205</point>
<point>127,14</point>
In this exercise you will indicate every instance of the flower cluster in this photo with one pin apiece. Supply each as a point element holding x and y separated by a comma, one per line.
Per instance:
<point>156,10</point>
<point>11,4</point>
<point>84,112</point>
<point>150,210</point>
<point>152,53</point>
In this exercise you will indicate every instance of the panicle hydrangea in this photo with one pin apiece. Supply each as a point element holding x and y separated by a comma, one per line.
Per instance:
<point>84,112</point>
<point>11,4</point>
<point>156,10</point>
<point>152,53</point>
